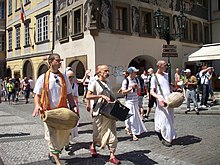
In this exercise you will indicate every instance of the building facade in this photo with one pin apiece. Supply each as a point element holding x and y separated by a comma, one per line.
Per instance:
<point>86,33</point>
<point>29,36</point>
<point>122,33</point>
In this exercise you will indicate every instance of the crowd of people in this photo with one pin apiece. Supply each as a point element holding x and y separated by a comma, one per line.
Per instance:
<point>60,90</point>
<point>14,89</point>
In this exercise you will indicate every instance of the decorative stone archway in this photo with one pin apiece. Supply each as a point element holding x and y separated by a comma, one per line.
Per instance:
<point>143,62</point>
<point>79,70</point>
<point>43,68</point>
<point>27,69</point>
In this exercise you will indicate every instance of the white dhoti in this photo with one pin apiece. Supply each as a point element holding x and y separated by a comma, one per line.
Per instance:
<point>164,120</point>
<point>134,123</point>
<point>57,139</point>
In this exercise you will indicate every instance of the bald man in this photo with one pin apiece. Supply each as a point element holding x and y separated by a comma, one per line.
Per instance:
<point>164,117</point>
<point>104,129</point>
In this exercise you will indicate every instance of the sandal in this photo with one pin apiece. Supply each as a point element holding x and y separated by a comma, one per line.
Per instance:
<point>51,158</point>
<point>135,138</point>
<point>127,131</point>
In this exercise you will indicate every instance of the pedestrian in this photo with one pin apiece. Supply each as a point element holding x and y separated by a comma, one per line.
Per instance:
<point>17,88</point>
<point>152,99</point>
<point>74,83</point>
<point>26,89</point>
<point>1,84</point>
<point>85,84</point>
<point>53,87</point>
<point>31,81</point>
<point>205,77</point>
<point>177,79</point>
<point>212,74</point>
<point>104,129</point>
<point>190,82</point>
<point>130,87</point>
<point>4,88</point>
<point>125,75</point>
<point>141,93</point>
<point>164,117</point>
<point>10,90</point>
<point>144,75</point>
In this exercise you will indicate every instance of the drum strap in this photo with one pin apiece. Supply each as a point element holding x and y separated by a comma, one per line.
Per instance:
<point>159,85</point>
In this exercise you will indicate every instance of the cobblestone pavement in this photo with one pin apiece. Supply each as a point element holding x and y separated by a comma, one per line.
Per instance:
<point>22,140</point>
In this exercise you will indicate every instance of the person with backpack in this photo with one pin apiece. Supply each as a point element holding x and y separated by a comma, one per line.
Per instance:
<point>141,93</point>
<point>130,88</point>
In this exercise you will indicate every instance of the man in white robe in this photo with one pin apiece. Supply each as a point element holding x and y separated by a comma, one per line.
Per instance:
<point>164,117</point>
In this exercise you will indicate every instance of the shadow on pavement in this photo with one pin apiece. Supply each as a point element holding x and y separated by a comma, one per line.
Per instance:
<point>187,140</point>
<point>135,157</point>
<point>14,134</point>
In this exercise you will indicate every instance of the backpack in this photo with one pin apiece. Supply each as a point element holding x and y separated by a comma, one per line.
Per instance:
<point>141,93</point>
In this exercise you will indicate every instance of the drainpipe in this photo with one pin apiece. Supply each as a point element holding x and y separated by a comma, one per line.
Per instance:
<point>53,38</point>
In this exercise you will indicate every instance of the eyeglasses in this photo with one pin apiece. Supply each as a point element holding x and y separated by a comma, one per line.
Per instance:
<point>57,79</point>
<point>71,77</point>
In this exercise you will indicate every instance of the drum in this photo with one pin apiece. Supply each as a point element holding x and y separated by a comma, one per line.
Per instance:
<point>175,99</point>
<point>60,118</point>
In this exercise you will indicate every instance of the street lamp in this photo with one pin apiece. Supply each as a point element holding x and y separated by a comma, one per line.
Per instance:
<point>162,26</point>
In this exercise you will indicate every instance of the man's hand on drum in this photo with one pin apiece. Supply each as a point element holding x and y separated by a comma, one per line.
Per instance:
<point>161,101</point>
<point>36,110</point>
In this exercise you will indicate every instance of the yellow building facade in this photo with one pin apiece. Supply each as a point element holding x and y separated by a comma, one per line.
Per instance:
<point>29,40</point>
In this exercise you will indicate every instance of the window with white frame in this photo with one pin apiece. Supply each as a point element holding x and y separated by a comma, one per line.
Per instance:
<point>17,4</point>
<point>9,7</point>
<point>26,1</point>
<point>26,34</point>
<point>42,28</point>
<point>18,35</point>
<point>2,42</point>
<point>77,21</point>
<point>10,40</point>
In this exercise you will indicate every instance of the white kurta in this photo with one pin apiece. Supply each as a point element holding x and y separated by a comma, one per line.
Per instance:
<point>134,123</point>
<point>163,118</point>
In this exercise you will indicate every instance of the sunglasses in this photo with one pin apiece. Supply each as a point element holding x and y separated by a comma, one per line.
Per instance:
<point>71,77</point>
<point>57,79</point>
<point>58,60</point>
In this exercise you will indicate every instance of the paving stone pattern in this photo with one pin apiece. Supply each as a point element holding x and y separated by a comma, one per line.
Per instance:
<point>22,140</point>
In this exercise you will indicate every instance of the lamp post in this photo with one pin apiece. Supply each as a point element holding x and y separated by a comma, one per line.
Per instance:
<point>162,26</point>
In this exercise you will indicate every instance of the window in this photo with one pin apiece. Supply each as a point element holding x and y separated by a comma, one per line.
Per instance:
<point>9,7</point>
<point>17,4</point>
<point>186,32</point>
<point>146,22</point>
<point>18,35</point>
<point>206,34</point>
<point>2,42</point>
<point>77,21</point>
<point>26,1</point>
<point>218,5</point>
<point>64,26</point>
<point>42,28</point>
<point>121,19</point>
<point>10,40</point>
<point>195,29</point>
<point>26,35</point>
<point>2,8</point>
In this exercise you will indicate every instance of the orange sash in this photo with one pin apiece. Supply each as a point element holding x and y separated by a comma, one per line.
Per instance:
<point>45,101</point>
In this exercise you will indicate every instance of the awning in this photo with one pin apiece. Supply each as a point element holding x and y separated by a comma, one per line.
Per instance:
<point>207,52</point>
